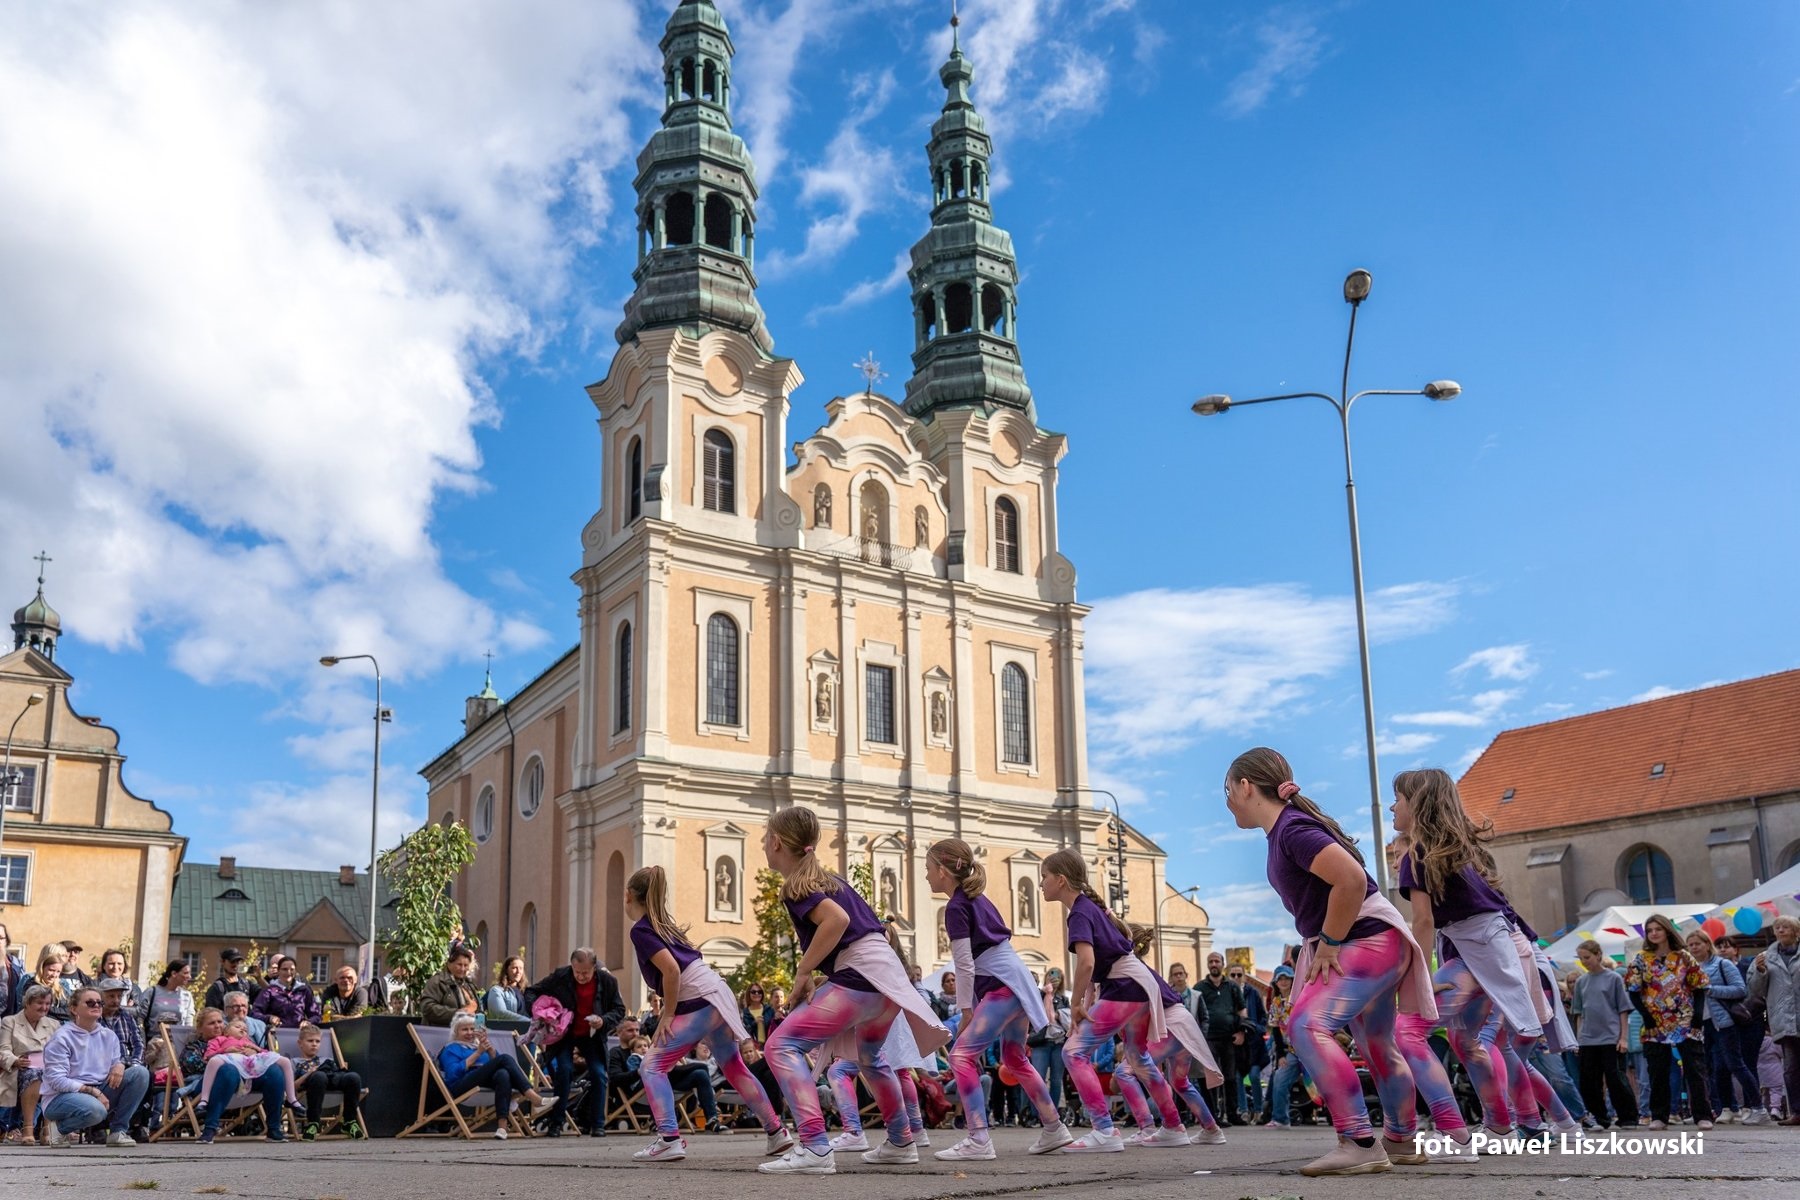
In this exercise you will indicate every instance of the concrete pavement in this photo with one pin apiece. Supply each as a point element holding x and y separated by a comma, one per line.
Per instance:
<point>1757,1163</point>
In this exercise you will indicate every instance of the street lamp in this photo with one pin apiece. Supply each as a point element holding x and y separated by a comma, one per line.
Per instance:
<point>381,714</point>
<point>1356,290</point>
<point>1189,892</point>
<point>8,784</point>
<point>1118,846</point>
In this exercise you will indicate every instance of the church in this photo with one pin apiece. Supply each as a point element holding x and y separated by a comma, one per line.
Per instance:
<point>874,621</point>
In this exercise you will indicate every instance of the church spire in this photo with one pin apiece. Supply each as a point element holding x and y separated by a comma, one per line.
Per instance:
<point>964,274</point>
<point>696,192</point>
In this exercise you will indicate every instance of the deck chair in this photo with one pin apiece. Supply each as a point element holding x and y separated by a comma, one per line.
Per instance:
<point>177,1106</point>
<point>467,1110</point>
<point>285,1041</point>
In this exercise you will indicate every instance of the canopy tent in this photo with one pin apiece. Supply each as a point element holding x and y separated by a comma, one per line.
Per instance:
<point>1618,929</point>
<point>1750,913</point>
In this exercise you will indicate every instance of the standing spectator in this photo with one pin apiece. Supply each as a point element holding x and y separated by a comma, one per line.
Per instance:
<point>11,972</point>
<point>345,997</point>
<point>1727,991</point>
<point>1601,999</point>
<point>231,979</point>
<point>23,1036</point>
<point>237,1008</point>
<point>169,1002</point>
<point>1190,999</point>
<point>758,1014</point>
<point>86,1078</point>
<point>450,991</point>
<point>1224,1024</point>
<point>1749,1033</point>
<point>113,965</point>
<point>1253,1054</point>
<point>591,995</point>
<point>506,999</point>
<point>1669,989</point>
<point>1287,1063</point>
<point>288,1001</point>
<point>1046,1044</point>
<point>1775,983</point>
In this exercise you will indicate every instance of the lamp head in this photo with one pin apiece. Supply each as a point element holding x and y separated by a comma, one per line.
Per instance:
<point>1211,406</point>
<point>329,660</point>
<point>1442,389</point>
<point>33,700</point>
<point>1356,286</point>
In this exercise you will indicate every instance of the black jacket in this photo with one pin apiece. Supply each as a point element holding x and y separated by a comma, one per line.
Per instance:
<point>1222,1001</point>
<point>215,995</point>
<point>609,1005</point>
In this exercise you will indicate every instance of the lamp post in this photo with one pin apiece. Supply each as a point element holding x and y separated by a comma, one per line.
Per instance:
<point>381,714</point>
<point>1356,289</point>
<point>7,783</point>
<point>1118,846</point>
<point>1161,965</point>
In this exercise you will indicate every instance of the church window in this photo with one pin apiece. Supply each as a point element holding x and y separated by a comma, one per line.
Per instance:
<point>958,181</point>
<point>1015,715</point>
<point>1006,535</point>
<point>528,919</point>
<point>927,317</point>
<point>1649,877</point>
<point>718,221</point>
<point>484,815</point>
<point>21,788</point>
<point>959,309</point>
<point>721,670</point>
<point>688,90</point>
<point>709,82</point>
<point>531,789</point>
<point>622,680</point>
<point>878,686</point>
<point>634,469</point>
<point>719,493</point>
<point>232,894</point>
<point>679,219</point>
<point>993,309</point>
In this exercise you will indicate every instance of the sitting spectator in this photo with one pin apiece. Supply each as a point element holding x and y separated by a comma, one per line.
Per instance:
<point>319,1076</point>
<point>450,991</point>
<point>765,1074</point>
<point>287,1001</point>
<point>73,975</point>
<point>23,1037</point>
<point>123,1022</point>
<point>170,1002</point>
<point>231,979</point>
<point>49,975</point>
<point>113,965</point>
<point>11,972</point>
<point>652,1015</point>
<point>86,1079</point>
<point>506,999</point>
<point>252,1060</point>
<point>778,998</point>
<point>700,1074</point>
<point>470,1061</point>
<point>237,1008</point>
<point>758,1014</point>
<point>345,997</point>
<point>226,1081</point>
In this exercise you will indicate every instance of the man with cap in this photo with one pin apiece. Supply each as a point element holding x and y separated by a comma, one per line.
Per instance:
<point>72,965</point>
<point>230,980</point>
<point>114,1016</point>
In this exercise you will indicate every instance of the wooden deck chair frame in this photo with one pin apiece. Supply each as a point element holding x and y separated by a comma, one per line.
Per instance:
<point>451,1105</point>
<point>627,1110</point>
<point>285,1040</point>
<point>540,1079</point>
<point>178,1109</point>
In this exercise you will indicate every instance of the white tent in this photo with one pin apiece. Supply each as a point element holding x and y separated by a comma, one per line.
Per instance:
<point>1616,929</point>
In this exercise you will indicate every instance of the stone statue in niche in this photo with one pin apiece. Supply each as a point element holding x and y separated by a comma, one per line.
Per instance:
<point>871,525</point>
<point>1027,906</point>
<point>890,891</point>
<point>725,886</point>
<point>822,507</point>
<point>940,715</point>
<point>921,528</point>
<point>823,706</point>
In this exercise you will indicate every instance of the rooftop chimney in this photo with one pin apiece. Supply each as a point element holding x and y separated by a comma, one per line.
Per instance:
<point>347,876</point>
<point>227,868</point>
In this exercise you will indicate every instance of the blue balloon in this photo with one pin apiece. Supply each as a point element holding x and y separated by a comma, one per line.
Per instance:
<point>1748,920</point>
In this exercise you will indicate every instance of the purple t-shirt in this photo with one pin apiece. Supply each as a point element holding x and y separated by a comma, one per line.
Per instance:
<point>1294,842</point>
<point>980,922</point>
<point>648,944</point>
<point>1466,893</point>
<point>863,923</point>
<point>1089,923</point>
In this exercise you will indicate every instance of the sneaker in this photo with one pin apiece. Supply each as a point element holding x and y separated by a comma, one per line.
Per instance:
<point>1280,1125</point>
<point>310,1132</point>
<point>1659,1124</point>
<point>500,1134</point>
<point>1705,1125</point>
<point>1756,1116</point>
<point>922,1139</point>
<point>1447,1148</point>
<point>888,1154</point>
<point>968,1148</point>
<point>661,1150</point>
<point>801,1161</point>
<point>1569,1126</point>
<point>718,1125</point>
<point>207,1136</point>
<point>1135,1138</point>
<point>1209,1137</point>
<point>1095,1142</point>
<point>1348,1158</point>
<point>1165,1137</point>
<point>850,1141</point>
<point>52,1135</point>
<point>1727,1117</point>
<point>354,1131</point>
<point>1051,1137</point>
<point>1403,1152</point>
<point>119,1137</point>
<point>778,1142</point>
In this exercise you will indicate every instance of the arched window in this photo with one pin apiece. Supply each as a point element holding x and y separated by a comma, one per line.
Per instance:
<point>1015,715</point>
<point>1006,535</point>
<point>927,310</point>
<point>634,473</point>
<point>615,925</point>
<point>622,680</point>
<point>483,825</point>
<point>531,789</point>
<point>958,183</point>
<point>719,491</point>
<point>993,309</point>
<point>718,222</point>
<point>481,938</point>
<point>1649,876</point>
<point>1789,858</point>
<point>959,309</point>
<point>721,670</point>
<point>679,219</point>
<point>688,91</point>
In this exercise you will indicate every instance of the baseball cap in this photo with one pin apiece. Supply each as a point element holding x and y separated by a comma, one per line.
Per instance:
<point>114,985</point>
<point>231,954</point>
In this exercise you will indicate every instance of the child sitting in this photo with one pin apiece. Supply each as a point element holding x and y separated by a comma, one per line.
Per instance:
<point>235,1048</point>
<point>635,1052</point>
<point>319,1076</point>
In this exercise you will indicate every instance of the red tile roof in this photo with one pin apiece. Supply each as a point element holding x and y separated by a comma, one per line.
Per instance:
<point>1720,743</point>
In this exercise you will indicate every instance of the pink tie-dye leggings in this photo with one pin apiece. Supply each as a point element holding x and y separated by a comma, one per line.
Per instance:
<point>1511,1090</point>
<point>998,1017</point>
<point>1129,1020</point>
<point>832,1010</point>
<point>687,1030</point>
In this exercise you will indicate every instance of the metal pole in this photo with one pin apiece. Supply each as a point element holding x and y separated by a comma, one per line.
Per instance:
<point>374,830</point>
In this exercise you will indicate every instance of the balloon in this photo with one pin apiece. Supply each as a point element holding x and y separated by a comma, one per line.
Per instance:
<point>1713,928</point>
<point>1007,1077</point>
<point>1747,920</point>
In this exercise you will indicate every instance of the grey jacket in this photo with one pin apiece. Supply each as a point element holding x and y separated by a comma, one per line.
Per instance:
<point>1775,981</point>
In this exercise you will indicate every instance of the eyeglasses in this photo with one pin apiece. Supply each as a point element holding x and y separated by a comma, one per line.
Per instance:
<point>90,1004</point>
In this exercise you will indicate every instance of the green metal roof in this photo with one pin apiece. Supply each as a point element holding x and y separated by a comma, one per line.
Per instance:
<point>274,898</point>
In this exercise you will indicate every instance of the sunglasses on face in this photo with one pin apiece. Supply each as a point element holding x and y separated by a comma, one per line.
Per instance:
<point>90,1004</point>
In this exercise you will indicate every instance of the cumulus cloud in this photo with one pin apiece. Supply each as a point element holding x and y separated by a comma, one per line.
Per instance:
<point>866,291</point>
<point>1289,48</point>
<point>1483,708</point>
<point>1663,690</point>
<point>1500,662</point>
<point>1394,743</point>
<point>322,825</point>
<point>854,179</point>
<point>1249,914</point>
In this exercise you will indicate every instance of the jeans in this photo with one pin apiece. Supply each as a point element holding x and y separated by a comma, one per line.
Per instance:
<point>560,1064</point>
<point>320,1084</point>
<point>503,1074</point>
<point>1552,1068</point>
<point>661,1076</point>
<point>270,1086</point>
<point>1047,1061</point>
<point>1693,1070</point>
<point>72,1111</point>
<point>1600,1073</point>
<point>1281,1089</point>
<point>1725,1060</point>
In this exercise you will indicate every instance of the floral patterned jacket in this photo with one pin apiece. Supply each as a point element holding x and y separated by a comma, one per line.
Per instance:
<point>1666,983</point>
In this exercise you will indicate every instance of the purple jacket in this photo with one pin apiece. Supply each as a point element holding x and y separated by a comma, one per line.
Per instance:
<point>290,1006</point>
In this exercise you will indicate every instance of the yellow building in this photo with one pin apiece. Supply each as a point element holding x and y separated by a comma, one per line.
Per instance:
<point>81,857</point>
<point>874,621</point>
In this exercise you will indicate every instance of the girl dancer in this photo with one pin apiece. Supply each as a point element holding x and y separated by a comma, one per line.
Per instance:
<point>866,989</point>
<point>1001,1003</point>
<point>1359,960</point>
<point>1176,1062</point>
<point>698,1007</point>
<point>1133,1004</point>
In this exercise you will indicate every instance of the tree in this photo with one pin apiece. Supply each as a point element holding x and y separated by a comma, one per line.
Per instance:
<point>419,872</point>
<point>772,960</point>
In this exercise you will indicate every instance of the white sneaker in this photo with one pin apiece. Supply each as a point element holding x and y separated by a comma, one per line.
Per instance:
<point>662,1150</point>
<point>1134,1138</point>
<point>922,1139</point>
<point>779,1142</point>
<point>1756,1116</point>
<point>1569,1126</point>
<point>1165,1137</point>
<point>1051,1137</point>
<point>52,1135</point>
<point>1728,1116</point>
<point>849,1141</point>
<point>1209,1137</point>
<point>968,1148</point>
<point>1445,1148</point>
<point>1095,1142</point>
<point>118,1137</point>
<point>801,1161</point>
<point>1705,1125</point>
<point>888,1154</point>
<point>500,1134</point>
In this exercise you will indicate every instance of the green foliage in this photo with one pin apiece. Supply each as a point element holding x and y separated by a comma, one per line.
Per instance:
<point>772,960</point>
<point>419,872</point>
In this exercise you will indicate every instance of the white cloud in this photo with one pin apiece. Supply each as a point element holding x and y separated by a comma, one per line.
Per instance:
<point>1290,46</point>
<point>1249,914</point>
<point>1500,662</point>
<point>853,180</point>
<point>1591,676</point>
<point>866,291</point>
<point>770,45</point>
<point>281,825</point>
<point>1394,743</point>
<point>1485,707</point>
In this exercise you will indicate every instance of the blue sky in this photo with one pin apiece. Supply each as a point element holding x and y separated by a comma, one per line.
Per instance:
<point>299,313</point>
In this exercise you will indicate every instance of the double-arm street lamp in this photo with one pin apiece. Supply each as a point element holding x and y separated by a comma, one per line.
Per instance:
<point>1356,290</point>
<point>381,714</point>
<point>1117,897</point>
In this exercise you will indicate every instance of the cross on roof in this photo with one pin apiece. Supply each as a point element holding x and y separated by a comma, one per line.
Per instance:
<point>42,557</point>
<point>871,371</point>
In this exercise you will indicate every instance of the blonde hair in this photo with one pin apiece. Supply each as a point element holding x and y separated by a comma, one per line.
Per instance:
<point>797,829</point>
<point>1268,772</point>
<point>1068,864</point>
<point>649,886</point>
<point>1444,839</point>
<point>51,953</point>
<point>1705,939</point>
<point>1784,921</point>
<point>892,929</point>
<point>954,856</point>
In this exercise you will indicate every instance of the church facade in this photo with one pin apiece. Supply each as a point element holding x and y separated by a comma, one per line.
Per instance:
<point>874,621</point>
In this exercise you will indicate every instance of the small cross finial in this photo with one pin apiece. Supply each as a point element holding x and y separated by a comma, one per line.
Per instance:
<point>489,655</point>
<point>871,371</point>
<point>955,21</point>
<point>42,557</point>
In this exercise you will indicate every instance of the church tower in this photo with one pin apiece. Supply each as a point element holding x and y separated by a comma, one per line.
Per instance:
<point>37,625</point>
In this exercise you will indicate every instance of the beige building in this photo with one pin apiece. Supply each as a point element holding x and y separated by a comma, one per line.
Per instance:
<point>874,621</point>
<point>81,857</point>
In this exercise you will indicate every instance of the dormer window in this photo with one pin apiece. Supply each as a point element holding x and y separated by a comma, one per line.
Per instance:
<point>1656,770</point>
<point>1506,797</point>
<point>232,894</point>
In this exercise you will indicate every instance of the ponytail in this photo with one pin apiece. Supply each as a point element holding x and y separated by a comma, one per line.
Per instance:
<point>955,856</point>
<point>797,829</point>
<point>649,886</point>
<point>1068,864</point>
<point>1142,938</point>
<point>891,927</point>
<point>1271,775</point>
